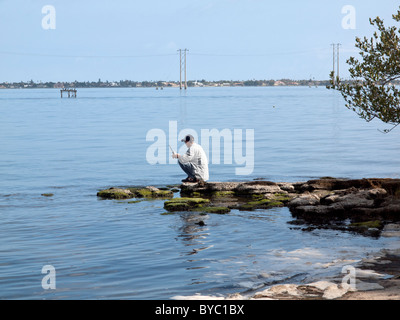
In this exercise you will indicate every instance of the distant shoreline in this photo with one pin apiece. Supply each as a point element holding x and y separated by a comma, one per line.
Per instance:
<point>168,84</point>
<point>161,84</point>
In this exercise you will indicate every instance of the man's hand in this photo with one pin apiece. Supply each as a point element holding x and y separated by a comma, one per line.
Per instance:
<point>175,155</point>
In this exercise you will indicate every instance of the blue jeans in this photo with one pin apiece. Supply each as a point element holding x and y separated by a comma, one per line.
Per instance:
<point>188,169</point>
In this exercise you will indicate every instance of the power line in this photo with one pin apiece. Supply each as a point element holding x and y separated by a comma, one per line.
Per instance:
<point>256,54</point>
<point>84,56</point>
<point>210,54</point>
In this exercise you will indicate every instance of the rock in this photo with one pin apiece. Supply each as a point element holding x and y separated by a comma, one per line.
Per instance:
<point>327,200</point>
<point>257,187</point>
<point>317,290</point>
<point>184,204</point>
<point>279,290</point>
<point>351,201</point>
<point>134,192</point>
<point>150,192</point>
<point>377,193</point>
<point>309,213</point>
<point>321,285</point>
<point>304,200</point>
<point>207,188</point>
<point>368,286</point>
<point>281,197</point>
<point>364,226</point>
<point>261,204</point>
<point>369,274</point>
<point>47,194</point>
<point>221,186</point>
<point>391,230</point>
<point>288,187</point>
<point>344,203</point>
<point>115,193</point>
<point>223,194</point>
<point>239,188</point>
<point>235,296</point>
<point>334,292</point>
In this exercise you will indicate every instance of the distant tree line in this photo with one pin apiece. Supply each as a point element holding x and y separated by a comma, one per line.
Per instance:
<point>149,84</point>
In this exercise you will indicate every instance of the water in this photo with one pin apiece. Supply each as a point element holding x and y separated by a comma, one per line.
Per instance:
<point>104,249</point>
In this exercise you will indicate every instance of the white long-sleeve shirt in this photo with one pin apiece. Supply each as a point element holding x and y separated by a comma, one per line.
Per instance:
<point>197,157</point>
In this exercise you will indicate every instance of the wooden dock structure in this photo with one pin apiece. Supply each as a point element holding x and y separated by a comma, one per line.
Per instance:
<point>71,92</point>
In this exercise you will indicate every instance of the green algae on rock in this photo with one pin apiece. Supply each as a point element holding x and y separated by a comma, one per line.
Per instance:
<point>324,202</point>
<point>261,204</point>
<point>184,204</point>
<point>115,193</point>
<point>150,192</point>
<point>215,210</point>
<point>222,194</point>
<point>134,192</point>
<point>47,194</point>
<point>376,224</point>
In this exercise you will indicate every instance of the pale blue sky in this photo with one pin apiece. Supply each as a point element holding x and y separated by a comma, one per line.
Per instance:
<point>138,40</point>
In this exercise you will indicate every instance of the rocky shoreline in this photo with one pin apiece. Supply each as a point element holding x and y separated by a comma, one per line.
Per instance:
<point>360,205</point>
<point>367,206</point>
<point>374,278</point>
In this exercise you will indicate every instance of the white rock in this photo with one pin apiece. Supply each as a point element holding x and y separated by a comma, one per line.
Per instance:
<point>391,230</point>
<point>285,186</point>
<point>304,200</point>
<point>235,296</point>
<point>321,285</point>
<point>376,193</point>
<point>369,274</point>
<point>334,292</point>
<point>289,289</point>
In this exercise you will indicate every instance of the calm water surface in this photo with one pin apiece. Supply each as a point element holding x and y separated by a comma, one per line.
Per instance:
<point>104,249</point>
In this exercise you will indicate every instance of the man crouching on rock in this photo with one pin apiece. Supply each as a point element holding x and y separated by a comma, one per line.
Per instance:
<point>194,163</point>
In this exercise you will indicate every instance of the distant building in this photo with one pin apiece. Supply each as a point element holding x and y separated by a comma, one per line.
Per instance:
<point>59,85</point>
<point>198,84</point>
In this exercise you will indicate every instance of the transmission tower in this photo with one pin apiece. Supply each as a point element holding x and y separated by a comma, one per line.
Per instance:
<point>333,67</point>
<point>336,54</point>
<point>182,65</point>
<point>338,49</point>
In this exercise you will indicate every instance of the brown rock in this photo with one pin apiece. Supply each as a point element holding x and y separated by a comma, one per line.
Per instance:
<point>257,187</point>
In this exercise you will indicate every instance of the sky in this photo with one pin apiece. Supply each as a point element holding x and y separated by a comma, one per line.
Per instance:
<point>117,40</point>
